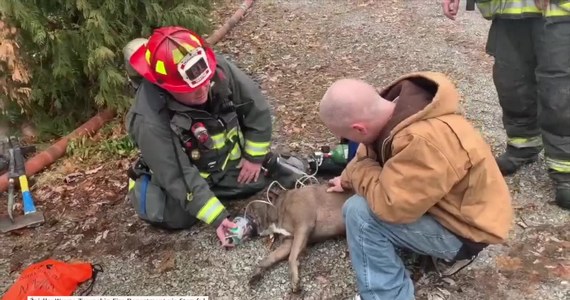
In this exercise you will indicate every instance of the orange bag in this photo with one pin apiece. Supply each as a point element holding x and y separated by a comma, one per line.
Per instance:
<point>52,278</point>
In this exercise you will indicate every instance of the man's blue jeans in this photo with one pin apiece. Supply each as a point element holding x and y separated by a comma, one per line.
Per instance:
<point>380,272</point>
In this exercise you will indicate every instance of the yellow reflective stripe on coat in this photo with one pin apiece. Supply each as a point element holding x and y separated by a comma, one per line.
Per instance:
<point>210,211</point>
<point>204,174</point>
<point>256,148</point>
<point>560,9</point>
<point>516,142</point>
<point>236,152</point>
<point>560,166</point>
<point>219,140</point>
<point>131,184</point>
<point>519,7</point>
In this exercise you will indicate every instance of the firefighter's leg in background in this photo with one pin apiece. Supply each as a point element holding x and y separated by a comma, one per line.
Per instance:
<point>510,44</point>
<point>553,76</point>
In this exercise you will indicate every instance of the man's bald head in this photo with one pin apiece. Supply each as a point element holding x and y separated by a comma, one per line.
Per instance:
<point>352,102</point>
<point>348,100</point>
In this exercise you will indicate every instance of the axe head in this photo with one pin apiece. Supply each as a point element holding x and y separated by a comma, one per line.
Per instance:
<point>22,221</point>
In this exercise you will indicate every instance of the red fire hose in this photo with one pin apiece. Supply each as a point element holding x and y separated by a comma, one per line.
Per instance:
<point>47,157</point>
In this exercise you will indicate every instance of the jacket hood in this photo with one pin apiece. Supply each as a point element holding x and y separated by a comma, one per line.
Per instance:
<point>434,88</point>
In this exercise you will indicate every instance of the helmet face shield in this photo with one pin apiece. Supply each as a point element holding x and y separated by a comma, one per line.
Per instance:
<point>176,59</point>
<point>194,68</point>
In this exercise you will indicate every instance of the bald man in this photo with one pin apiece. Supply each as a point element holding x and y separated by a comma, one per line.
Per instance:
<point>424,179</point>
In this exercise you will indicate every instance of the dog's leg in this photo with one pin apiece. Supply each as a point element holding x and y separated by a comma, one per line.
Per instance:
<point>274,257</point>
<point>300,239</point>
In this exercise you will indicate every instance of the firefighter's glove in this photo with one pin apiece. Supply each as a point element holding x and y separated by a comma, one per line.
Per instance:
<point>223,231</point>
<point>249,171</point>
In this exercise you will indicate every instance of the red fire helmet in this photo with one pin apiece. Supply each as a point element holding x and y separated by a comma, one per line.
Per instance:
<point>176,59</point>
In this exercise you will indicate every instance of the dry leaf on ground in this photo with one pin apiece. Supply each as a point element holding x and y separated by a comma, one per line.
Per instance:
<point>167,263</point>
<point>507,263</point>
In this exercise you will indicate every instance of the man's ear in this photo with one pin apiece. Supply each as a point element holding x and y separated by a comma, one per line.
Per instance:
<point>360,128</point>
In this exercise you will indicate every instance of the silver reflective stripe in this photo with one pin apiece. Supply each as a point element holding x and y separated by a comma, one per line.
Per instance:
<point>525,142</point>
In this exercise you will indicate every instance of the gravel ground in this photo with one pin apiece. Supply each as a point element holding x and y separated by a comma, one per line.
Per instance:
<point>295,49</point>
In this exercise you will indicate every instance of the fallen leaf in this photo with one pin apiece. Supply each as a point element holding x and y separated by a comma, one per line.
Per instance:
<point>449,281</point>
<point>506,263</point>
<point>73,177</point>
<point>562,271</point>
<point>14,266</point>
<point>522,225</point>
<point>322,280</point>
<point>93,171</point>
<point>270,241</point>
<point>168,262</point>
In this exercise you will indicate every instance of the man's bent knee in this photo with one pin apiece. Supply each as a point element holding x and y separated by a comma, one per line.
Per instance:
<point>355,208</point>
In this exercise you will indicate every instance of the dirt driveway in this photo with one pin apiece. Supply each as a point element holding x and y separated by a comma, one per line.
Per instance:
<point>295,49</point>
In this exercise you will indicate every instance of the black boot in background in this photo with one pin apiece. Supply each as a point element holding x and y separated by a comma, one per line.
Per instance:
<point>562,185</point>
<point>563,195</point>
<point>514,158</point>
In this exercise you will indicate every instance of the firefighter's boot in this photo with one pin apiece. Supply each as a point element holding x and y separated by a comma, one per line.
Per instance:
<point>563,194</point>
<point>286,169</point>
<point>562,185</point>
<point>514,158</point>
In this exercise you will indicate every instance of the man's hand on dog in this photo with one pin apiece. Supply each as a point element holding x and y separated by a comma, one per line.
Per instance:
<point>223,231</point>
<point>335,185</point>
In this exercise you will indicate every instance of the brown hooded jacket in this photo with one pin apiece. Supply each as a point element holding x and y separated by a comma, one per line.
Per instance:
<point>430,159</point>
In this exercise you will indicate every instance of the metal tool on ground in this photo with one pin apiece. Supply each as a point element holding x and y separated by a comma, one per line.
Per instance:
<point>5,156</point>
<point>17,170</point>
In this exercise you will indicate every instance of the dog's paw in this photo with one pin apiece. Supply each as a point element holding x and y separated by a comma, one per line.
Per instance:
<point>254,279</point>
<point>296,287</point>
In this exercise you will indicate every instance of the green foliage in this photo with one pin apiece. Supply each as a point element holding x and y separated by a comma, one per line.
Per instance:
<point>73,49</point>
<point>111,142</point>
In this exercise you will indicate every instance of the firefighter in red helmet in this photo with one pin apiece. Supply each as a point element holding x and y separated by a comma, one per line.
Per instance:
<point>203,129</point>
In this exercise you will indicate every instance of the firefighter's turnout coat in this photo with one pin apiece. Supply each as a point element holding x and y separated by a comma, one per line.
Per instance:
<point>176,188</point>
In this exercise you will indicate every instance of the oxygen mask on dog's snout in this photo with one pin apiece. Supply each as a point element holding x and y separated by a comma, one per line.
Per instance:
<point>246,228</point>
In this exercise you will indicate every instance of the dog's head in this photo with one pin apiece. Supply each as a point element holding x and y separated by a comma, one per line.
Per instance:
<point>263,213</point>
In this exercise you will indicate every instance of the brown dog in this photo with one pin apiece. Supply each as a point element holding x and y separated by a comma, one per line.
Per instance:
<point>301,216</point>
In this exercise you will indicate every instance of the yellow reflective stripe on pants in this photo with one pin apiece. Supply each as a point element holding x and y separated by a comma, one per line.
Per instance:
<point>210,211</point>
<point>525,142</point>
<point>560,166</point>
<point>131,184</point>
<point>256,148</point>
